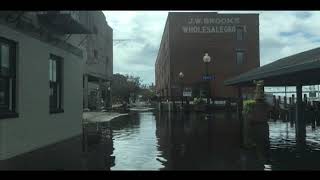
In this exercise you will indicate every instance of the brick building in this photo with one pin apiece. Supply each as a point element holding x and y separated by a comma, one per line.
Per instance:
<point>231,40</point>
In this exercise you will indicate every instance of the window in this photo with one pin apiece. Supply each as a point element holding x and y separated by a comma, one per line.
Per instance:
<point>240,57</point>
<point>95,53</point>
<point>55,83</point>
<point>107,61</point>
<point>240,33</point>
<point>95,30</point>
<point>7,78</point>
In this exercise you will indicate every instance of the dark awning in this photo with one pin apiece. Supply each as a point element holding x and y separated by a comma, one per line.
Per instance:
<point>302,68</point>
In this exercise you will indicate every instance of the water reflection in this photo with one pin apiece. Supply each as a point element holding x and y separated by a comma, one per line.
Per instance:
<point>180,141</point>
<point>176,141</point>
<point>135,142</point>
<point>289,154</point>
<point>198,141</point>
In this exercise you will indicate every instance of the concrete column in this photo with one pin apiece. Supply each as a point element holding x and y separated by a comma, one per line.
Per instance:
<point>244,124</point>
<point>239,107</point>
<point>300,122</point>
<point>85,92</point>
<point>159,106</point>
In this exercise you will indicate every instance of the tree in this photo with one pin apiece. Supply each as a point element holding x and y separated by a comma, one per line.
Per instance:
<point>123,86</point>
<point>147,92</point>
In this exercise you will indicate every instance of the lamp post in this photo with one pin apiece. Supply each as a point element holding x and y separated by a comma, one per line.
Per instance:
<point>207,60</point>
<point>181,75</point>
<point>109,97</point>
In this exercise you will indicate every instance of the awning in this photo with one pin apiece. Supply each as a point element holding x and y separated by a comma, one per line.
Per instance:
<point>302,68</point>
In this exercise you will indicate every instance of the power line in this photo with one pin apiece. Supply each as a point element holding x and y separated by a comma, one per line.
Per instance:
<point>118,41</point>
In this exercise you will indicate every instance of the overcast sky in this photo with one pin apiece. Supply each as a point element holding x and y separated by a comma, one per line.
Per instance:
<point>282,33</point>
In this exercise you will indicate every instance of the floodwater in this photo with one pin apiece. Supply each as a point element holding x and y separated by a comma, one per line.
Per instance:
<point>176,141</point>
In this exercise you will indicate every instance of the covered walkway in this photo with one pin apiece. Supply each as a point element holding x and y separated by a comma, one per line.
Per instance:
<point>298,70</point>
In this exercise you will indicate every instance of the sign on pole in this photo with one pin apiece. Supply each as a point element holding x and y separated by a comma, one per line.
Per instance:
<point>187,92</point>
<point>208,78</point>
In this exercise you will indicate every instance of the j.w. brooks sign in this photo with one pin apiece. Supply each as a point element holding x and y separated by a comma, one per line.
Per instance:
<point>208,29</point>
<point>211,25</point>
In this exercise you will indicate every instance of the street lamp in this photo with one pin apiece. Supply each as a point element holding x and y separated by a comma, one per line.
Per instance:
<point>181,75</point>
<point>207,60</point>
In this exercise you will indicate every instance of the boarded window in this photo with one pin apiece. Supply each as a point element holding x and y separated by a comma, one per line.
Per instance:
<point>240,57</point>
<point>240,33</point>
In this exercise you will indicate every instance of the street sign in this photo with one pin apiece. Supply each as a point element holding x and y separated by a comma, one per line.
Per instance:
<point>187,92</point>
<point>209,77</point>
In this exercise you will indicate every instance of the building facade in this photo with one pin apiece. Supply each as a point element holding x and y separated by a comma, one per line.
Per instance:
<point>41,78</point>
<point>231,40</point>
<point>98,67</point>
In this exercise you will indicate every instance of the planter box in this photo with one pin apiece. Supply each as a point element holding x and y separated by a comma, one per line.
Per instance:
<point>259,114</point>
<point>199,107</point>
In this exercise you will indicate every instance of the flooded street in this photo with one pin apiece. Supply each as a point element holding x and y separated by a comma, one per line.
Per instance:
<point>163,141</point>
<point>177,141</point>
<point>135,143</point>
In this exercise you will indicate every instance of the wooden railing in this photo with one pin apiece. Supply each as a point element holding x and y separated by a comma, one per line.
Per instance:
<point>217,103</point>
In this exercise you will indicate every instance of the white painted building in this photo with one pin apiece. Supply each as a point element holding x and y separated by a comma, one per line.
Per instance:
<point>41,79</point>
<point>98,69</point>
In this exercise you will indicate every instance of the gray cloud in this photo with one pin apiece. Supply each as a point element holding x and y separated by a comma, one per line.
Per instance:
<point>282,33</point>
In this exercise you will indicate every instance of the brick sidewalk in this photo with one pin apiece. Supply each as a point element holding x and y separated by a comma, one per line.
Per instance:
<point>100,116</point>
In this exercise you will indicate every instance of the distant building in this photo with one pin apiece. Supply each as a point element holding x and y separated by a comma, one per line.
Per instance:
<point>231,40</point>
<point>42,59</point>
<point>98,67</point>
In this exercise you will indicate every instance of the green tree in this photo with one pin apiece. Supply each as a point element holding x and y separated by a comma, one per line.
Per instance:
<point>124,86</point>
<point>147,92</point>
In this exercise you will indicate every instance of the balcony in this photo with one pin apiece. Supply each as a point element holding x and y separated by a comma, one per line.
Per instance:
<point>65,22</point>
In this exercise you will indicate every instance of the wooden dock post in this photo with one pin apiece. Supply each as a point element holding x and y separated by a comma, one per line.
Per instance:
<point>285,101</point>
<point>313,118</point>
<point>240,116</point>
<point>305,99</point>
<point>317,114</point>
<point>300,121</point>
<point>293,100</point>
<point>274,100</point>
